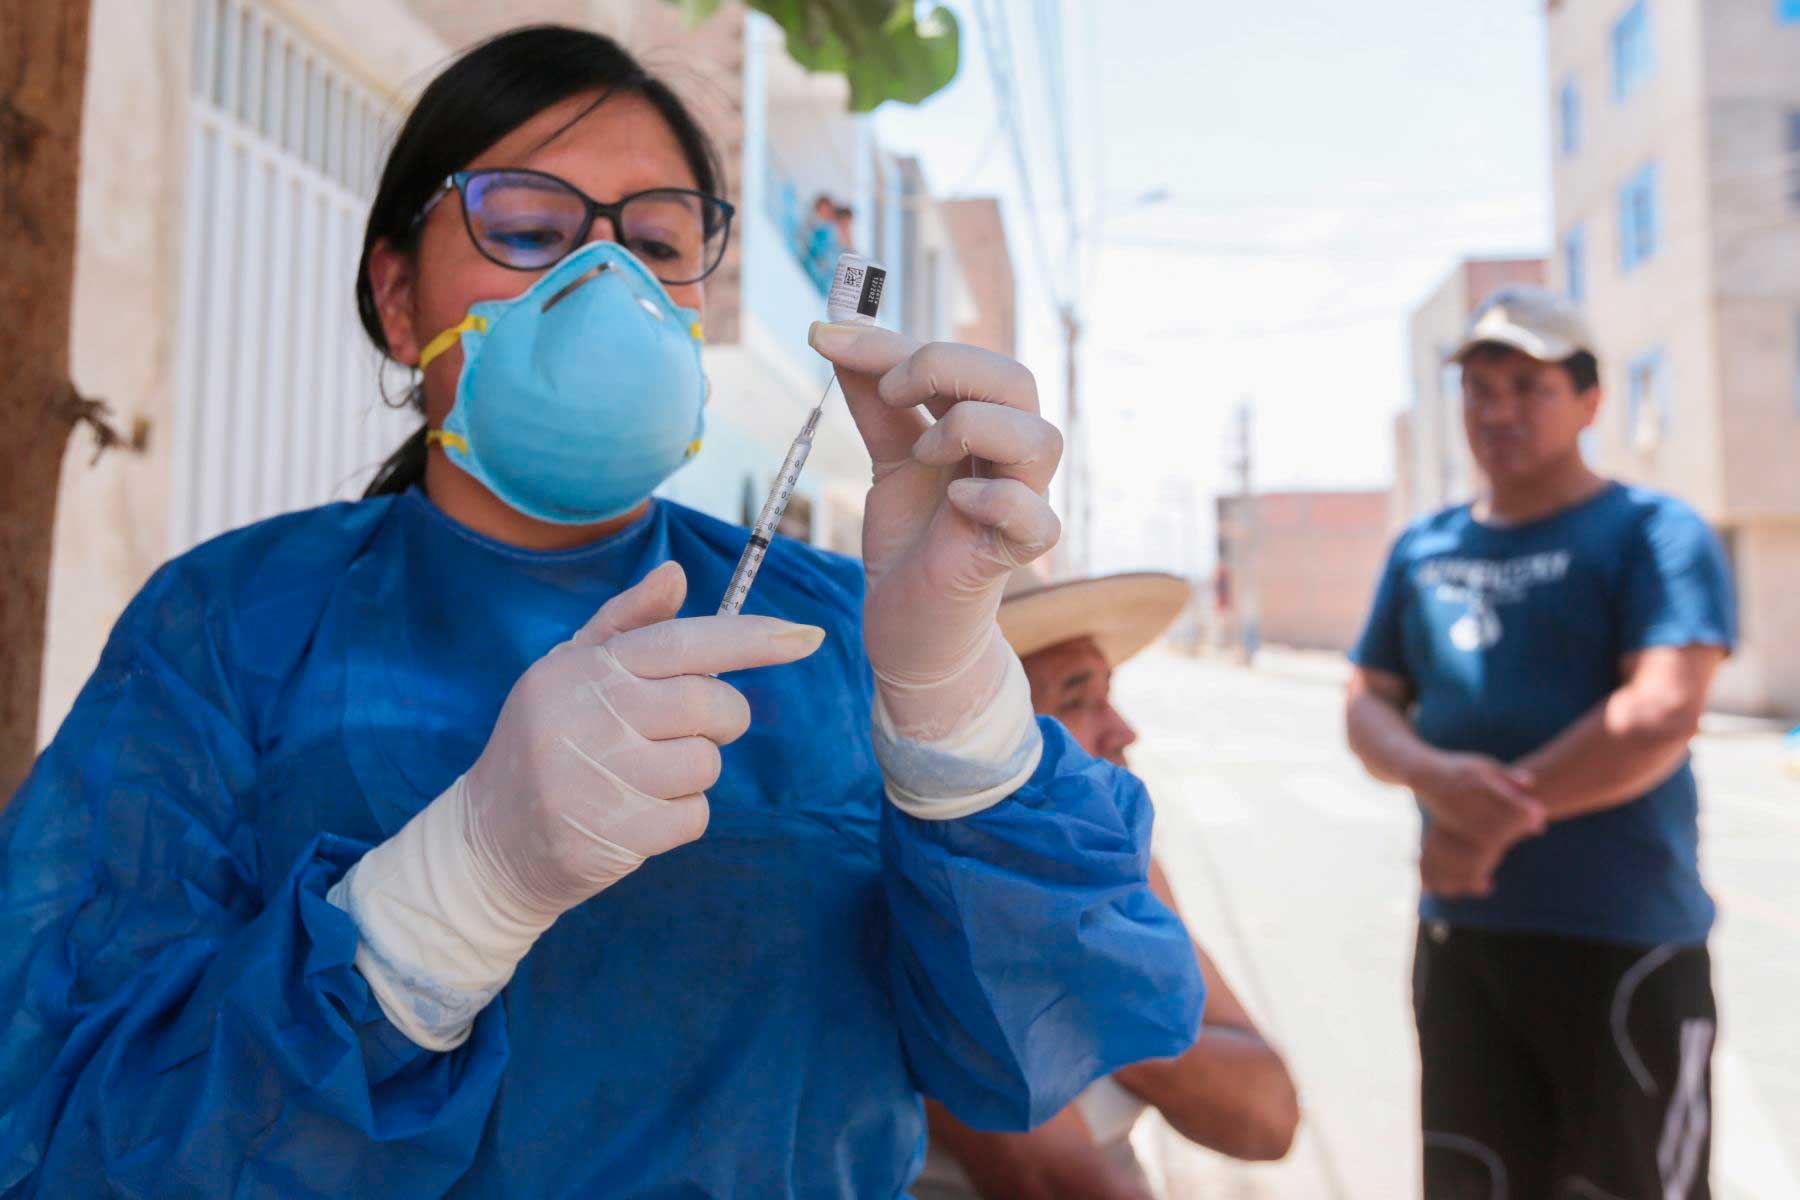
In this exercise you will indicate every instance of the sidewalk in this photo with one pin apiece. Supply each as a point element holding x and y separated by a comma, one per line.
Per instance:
<point>1297,872</point>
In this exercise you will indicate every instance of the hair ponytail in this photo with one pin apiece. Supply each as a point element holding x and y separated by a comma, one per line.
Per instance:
<point>403,468</point>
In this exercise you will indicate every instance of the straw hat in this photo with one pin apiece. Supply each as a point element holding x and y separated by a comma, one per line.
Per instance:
<point>1122,613</point>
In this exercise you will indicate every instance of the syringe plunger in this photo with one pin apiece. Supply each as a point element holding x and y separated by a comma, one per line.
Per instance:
<point>855,298</point>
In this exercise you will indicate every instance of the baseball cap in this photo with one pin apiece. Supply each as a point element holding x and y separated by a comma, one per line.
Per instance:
<point>1533,320</point>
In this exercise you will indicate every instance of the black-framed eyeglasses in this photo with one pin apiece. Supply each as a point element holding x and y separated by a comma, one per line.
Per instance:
<point>526,220</point>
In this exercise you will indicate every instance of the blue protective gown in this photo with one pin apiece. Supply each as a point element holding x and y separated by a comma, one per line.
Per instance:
<point>754,1014</point>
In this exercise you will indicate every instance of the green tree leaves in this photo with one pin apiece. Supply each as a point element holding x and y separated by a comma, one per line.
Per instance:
<point>880,46</point>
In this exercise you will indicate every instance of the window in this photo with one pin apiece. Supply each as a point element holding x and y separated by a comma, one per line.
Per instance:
<point>930,284</point>
<point>1732,546</point>
<point>1575,264</point>
<point>1640,217</point>
<point>879,190</point>
<point>1787,11</point>
<point>1647,401</point>
<point>1797,363</point>
<point>276,401</point>
<point>1793,154</point>
<point>1450,465</point>
<point>1568,107</point>
<point>1632,56</point>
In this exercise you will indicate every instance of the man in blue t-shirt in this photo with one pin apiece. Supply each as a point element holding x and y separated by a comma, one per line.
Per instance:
<point>1533,668</point>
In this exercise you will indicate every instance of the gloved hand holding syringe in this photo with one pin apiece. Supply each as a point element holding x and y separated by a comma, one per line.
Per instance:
<point>855,298</point>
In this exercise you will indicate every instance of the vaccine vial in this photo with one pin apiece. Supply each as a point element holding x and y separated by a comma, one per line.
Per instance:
<point>855,294</point>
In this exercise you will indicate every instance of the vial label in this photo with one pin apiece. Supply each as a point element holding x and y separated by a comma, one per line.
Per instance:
<point>855,289</point>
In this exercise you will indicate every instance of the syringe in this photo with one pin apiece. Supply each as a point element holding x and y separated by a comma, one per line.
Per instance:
<point>855,297</point>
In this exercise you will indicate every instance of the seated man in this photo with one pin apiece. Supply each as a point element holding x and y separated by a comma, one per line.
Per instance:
<point>1230,1092</point>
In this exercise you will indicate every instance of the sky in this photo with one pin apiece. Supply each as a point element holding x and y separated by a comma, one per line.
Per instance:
<point>1275,188</point>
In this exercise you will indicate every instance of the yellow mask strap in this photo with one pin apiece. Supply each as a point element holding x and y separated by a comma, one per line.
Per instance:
<point>443,437</point>
<point>447,339</point>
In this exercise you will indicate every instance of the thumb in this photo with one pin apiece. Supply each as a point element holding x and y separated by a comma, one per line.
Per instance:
<point>1522,778</point>
<point>655,597</point>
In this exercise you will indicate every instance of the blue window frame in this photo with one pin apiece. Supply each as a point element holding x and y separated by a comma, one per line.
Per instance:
<point>1633,56</point>
<point>1640,217</point>
<point>1647,400</point>
<point>1797,363</point>
<point>1793,154</point>
<point>1787,11</point>
<point>1574,251</point>
<point>1568,110</point>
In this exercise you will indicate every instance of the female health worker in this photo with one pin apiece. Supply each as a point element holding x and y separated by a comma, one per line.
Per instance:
<point>431,845</point>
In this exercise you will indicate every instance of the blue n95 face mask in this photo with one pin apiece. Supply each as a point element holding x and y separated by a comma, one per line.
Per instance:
<point>581,395</point>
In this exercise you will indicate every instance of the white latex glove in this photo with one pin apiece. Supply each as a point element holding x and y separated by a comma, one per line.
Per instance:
<point>598,760</point>
<point>954,728</point>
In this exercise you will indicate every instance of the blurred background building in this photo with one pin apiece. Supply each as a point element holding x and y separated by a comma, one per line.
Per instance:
<point>978,234</point>
<point>229,151</point>
<point>1299,564</point>
<point>1677,184</point>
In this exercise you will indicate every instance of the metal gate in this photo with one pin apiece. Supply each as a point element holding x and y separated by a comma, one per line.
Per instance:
<point>277,402</point>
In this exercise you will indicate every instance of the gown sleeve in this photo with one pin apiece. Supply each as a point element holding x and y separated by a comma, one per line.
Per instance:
<point>1026,953</point>
<point>171,1021</point>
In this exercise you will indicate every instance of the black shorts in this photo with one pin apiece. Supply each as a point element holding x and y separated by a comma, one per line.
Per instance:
<point>1558,1068</point>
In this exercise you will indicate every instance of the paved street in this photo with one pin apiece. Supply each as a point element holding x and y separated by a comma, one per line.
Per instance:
<point>1297,872</point>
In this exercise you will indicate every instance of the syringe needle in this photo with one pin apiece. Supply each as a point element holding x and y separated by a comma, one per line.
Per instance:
<point>769,519</point>
<point>855,296</point>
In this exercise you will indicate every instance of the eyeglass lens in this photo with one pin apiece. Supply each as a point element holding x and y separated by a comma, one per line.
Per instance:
<point>530,221</point>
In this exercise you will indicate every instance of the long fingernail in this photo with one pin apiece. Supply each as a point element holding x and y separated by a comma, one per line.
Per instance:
<point>798,639</point>
<point>826,337</point>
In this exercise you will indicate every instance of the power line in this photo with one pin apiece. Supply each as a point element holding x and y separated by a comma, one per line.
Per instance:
<point>1096,217</point>
<point>1056,90</point>
<point>996,41</point>
<point>1358,249</point>
<point>1061,293</point>
<point>1316,324</point>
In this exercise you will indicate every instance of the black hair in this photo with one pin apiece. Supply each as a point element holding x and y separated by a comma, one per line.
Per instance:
<point>477,100</point>
<point>1583,369</point>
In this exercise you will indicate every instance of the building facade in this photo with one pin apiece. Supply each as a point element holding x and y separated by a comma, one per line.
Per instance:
<point>1677,178</point>
<point>1298,568</point>
<point>229,152</point>
<point>978,233</point>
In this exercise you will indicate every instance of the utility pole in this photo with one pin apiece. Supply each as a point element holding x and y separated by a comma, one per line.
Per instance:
<point>1177,494</point>
<point>1244,536</point>
<point>1079,503</point>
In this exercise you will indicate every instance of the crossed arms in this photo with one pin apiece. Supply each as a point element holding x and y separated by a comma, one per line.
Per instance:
<point>1481,807</point>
